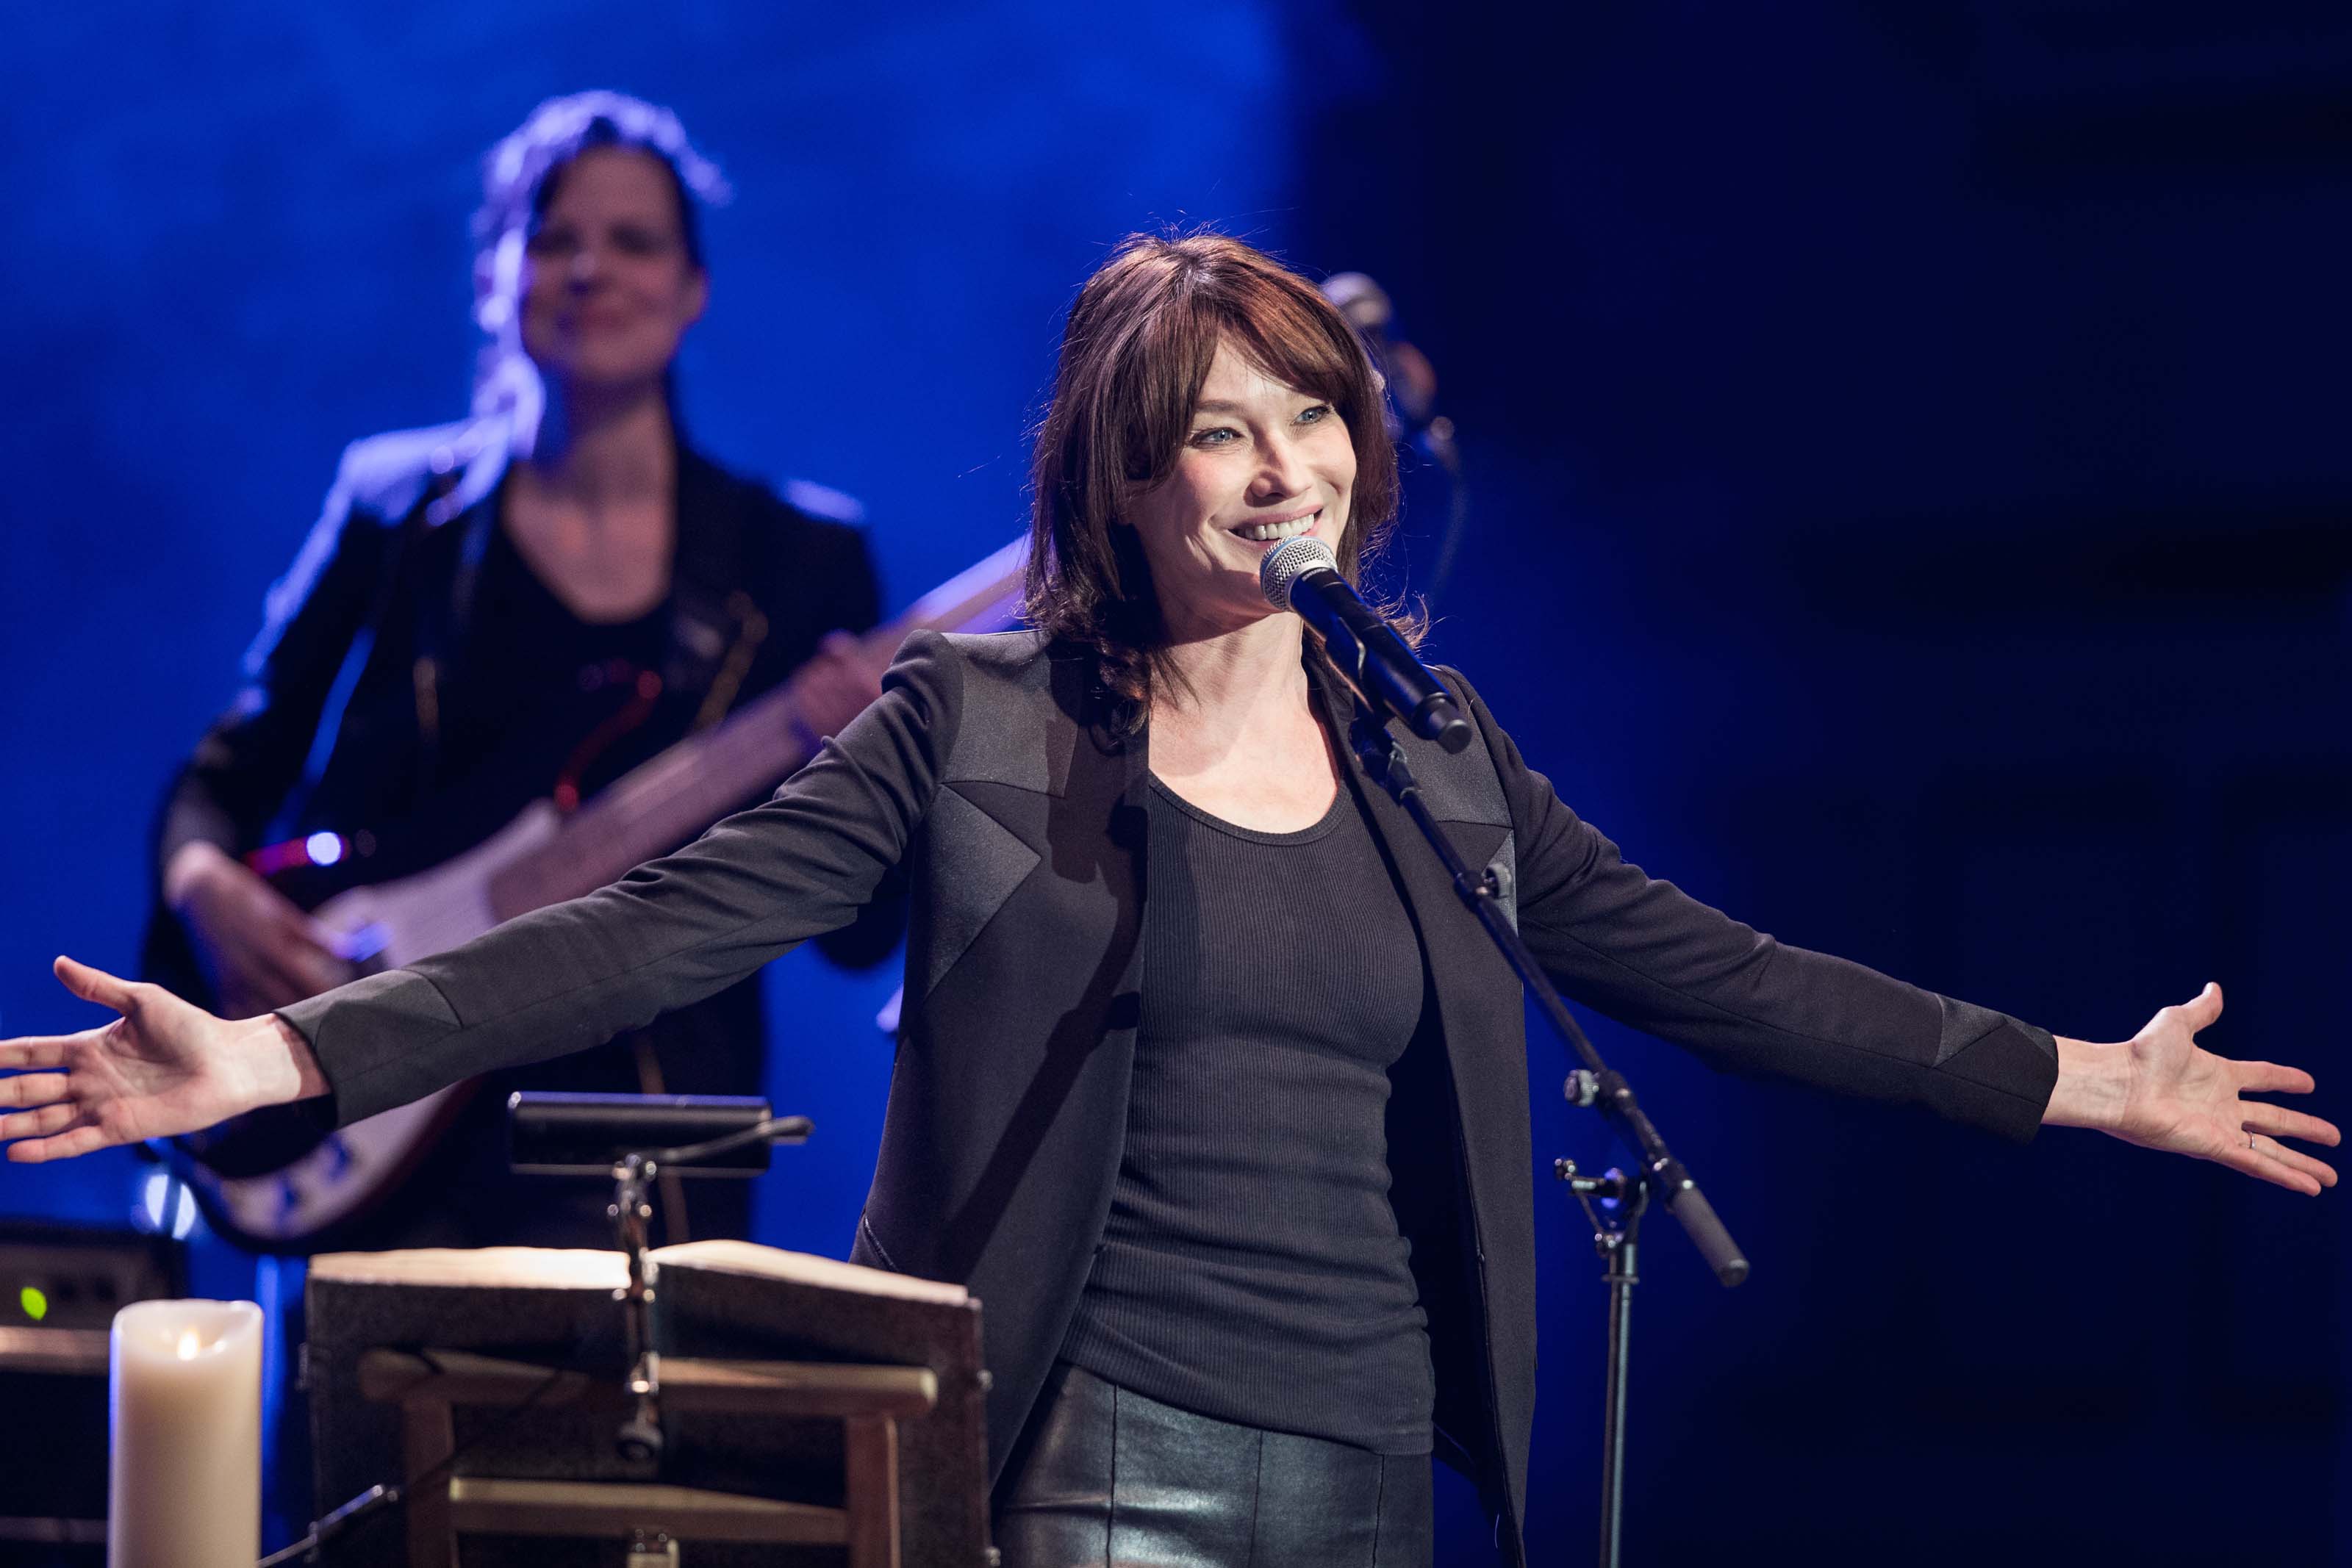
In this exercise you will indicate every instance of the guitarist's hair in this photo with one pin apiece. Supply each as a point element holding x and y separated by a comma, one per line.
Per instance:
<point>519,178</point>
<point>1135,353</point>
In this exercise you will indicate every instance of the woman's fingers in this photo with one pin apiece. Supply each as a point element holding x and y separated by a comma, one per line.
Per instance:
<point>258,979</point>
<point>42,1123</point>
<point>29,1051</point>
<point>30,1089</point>
<point>2281,1123</point>
<point>95,985</point>
<point>275,982</point>
<point>80,1141</point>
<point>2261,1160</point>
<point>311,970</point>
<point>2200,1011</point>
<point>264,952</point>
<point>2296,1160</point>
<point>2270,1078</point>
<point>837,684</point>
<point>299,953</point>
<point>276,967</point>
<point>43,1094</point>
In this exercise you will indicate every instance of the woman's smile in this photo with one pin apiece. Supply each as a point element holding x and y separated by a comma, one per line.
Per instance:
<point>1262,462</point>
<point>1274,530</point>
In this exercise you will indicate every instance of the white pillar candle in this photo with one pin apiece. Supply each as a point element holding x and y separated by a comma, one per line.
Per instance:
<point>184,1483</point>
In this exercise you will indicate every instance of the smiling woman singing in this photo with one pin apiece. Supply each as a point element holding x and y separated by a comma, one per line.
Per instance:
<point>1206,1086</point>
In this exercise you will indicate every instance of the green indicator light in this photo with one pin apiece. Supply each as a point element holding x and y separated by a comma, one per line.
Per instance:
<point>35,1305</point>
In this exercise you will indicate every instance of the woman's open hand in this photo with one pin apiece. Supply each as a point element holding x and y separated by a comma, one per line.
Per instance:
<point>2161,1090</point>
<point>163,1067</point>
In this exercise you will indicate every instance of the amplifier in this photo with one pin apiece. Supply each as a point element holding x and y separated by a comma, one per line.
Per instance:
<point>59,1287</point>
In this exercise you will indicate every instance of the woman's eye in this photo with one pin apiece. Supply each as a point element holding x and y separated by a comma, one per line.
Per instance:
<point>1220,435</point>
<point>1315,415</point>
<point>552,242</point>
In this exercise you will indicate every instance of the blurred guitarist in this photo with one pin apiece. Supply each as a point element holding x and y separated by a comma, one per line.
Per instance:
<point>524,604</point>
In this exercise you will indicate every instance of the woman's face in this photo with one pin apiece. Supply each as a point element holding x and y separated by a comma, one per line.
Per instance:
<point>1262,463</point>
<point>607,288</point>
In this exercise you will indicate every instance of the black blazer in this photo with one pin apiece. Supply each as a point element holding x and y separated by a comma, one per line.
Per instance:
<point>988,769</point>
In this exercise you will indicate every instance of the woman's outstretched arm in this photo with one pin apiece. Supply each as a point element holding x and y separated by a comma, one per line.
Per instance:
<point>1644,952</point>
<point>556,981</point>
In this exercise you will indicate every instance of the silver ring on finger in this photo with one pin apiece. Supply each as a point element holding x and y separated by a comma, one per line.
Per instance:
<point>2250,1140</point>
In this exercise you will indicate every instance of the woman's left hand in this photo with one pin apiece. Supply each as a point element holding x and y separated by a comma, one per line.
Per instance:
<point>2161,1090</point>
<point>839,681</point>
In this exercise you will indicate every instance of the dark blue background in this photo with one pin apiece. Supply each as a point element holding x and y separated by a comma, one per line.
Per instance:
<point>1910,484</point>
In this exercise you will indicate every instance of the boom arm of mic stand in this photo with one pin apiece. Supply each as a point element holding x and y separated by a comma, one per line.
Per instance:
<point>1384,758</point>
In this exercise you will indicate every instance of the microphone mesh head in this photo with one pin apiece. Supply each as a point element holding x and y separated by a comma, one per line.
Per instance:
<point>1287,562</point>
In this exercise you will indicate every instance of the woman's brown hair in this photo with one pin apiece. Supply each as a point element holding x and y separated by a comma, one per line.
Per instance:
<point>1134,356</point>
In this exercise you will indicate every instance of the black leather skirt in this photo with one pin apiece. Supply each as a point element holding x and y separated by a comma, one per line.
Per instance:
<point>1109,1476</point>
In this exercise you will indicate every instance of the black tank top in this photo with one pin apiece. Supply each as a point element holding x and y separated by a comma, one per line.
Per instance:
<point>1252,1269</point>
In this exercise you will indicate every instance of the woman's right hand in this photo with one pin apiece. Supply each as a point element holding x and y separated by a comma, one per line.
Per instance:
<point>163,1067</point>
<point>260,950</point>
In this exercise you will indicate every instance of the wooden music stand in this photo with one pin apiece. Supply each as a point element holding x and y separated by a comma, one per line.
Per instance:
<point>813,1410</point>
<point>870,1401</point>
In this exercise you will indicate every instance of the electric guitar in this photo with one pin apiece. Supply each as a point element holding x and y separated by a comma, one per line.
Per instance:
<point>276,1183</point>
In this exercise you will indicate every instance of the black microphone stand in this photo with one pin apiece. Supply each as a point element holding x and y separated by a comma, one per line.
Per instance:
<point>1622,1199</point>
<point>632,1211</point>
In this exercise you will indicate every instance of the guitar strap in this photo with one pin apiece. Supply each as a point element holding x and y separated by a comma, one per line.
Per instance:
<point>437,632</point>
<point>716,628</point>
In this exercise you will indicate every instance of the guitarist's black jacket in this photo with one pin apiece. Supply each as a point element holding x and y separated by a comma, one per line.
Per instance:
<point>988,770</point>
<point>415,685</point>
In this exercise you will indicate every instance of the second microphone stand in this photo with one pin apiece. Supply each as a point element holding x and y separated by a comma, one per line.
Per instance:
<point>1621,1199</point>
<point>632,1212</point>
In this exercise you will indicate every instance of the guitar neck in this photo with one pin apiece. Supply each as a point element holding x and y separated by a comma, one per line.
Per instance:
<point>665,801</point>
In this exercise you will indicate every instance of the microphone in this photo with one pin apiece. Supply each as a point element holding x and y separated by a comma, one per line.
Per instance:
<point>1302,574</point>
<point>1411,380</point>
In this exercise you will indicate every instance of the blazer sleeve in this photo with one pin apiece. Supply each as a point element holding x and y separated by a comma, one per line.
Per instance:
<point>1645,953</point>
<point>672,932</point>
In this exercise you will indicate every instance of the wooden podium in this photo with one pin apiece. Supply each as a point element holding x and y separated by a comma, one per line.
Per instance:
<point>812,1411</point>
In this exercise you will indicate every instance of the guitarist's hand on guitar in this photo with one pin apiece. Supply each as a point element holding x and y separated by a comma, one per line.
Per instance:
<point>260,950</point>
<point>839,682</point>
<point>163,1067</point>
